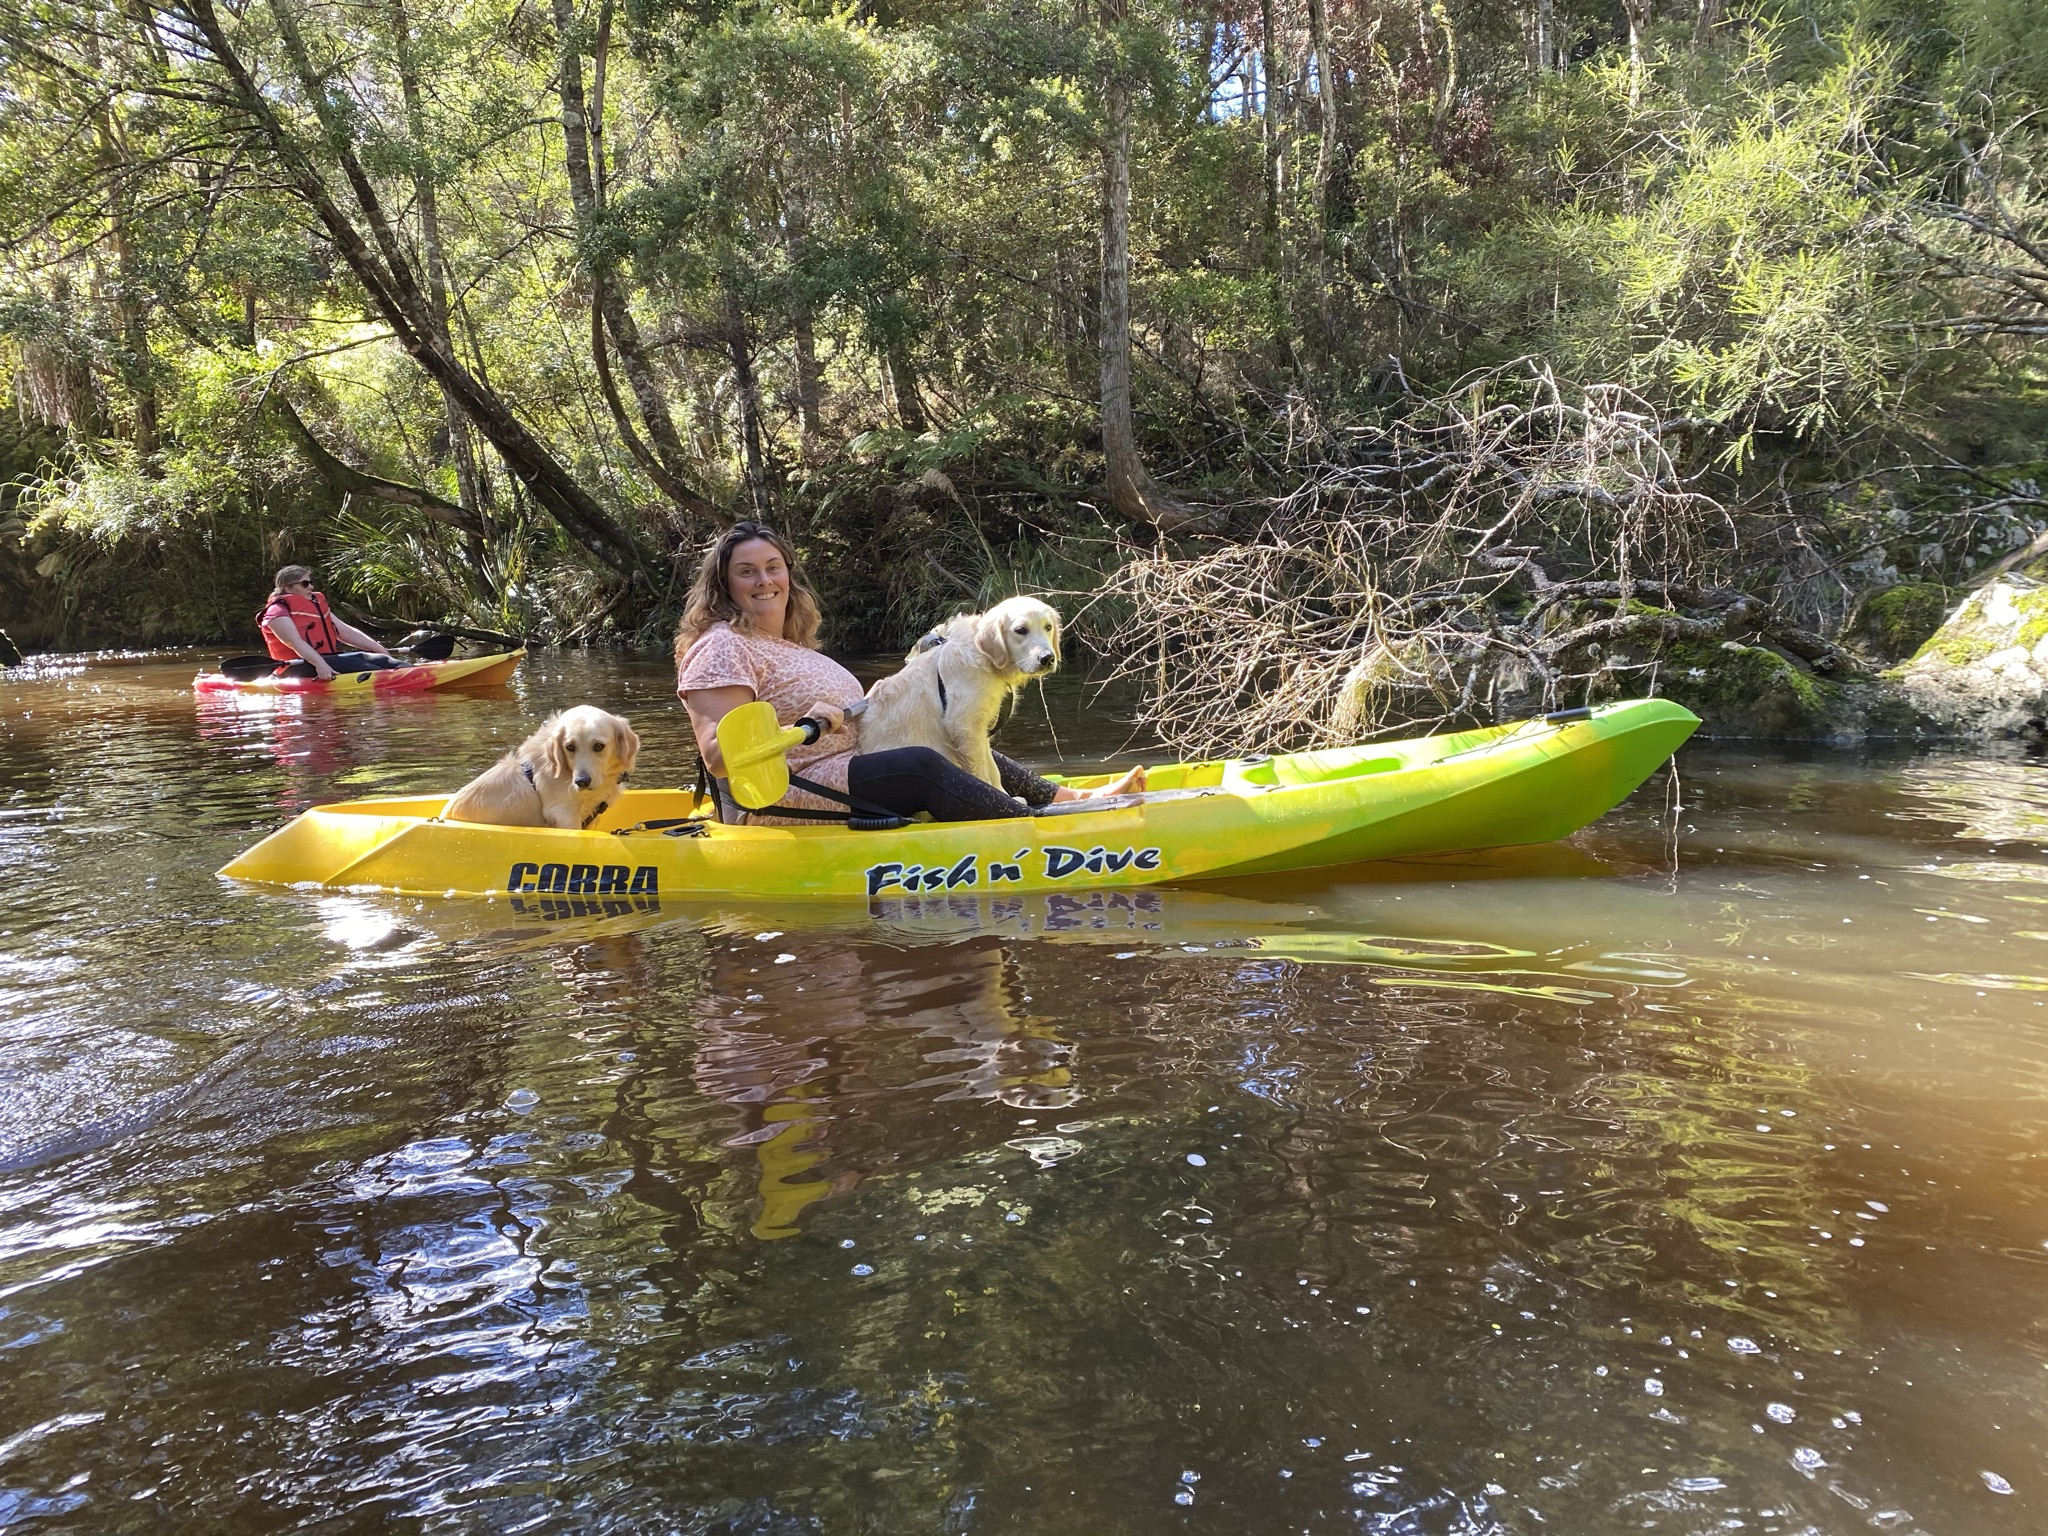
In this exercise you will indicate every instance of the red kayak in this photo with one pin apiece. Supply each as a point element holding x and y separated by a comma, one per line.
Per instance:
<point>413,679</point>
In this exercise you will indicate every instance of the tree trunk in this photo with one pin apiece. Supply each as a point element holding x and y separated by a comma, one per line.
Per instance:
<point>1071,312</point>
<point>131,313</point>
<point>1710,14</point>
<point>903,388</point>
<point>747,389</point>
<point>581,124</point>
<point>461,441</point>
<point>1329,160</point>
<point>810,379</point>
<point>1330,153</point>
<point>1132,491</point>
<point>378,263</point>
<point>1638,24</point>
<point>1276,169</point>
<point>486,491</point>
<point>1447,91</point>
<point>349,480</point>
<point>1544,52</point>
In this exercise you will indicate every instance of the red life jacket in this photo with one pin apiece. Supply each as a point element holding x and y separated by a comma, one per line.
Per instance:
<point>309,615</point>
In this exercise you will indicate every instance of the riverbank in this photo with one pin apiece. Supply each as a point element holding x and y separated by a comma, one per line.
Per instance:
<point>1741,692</point>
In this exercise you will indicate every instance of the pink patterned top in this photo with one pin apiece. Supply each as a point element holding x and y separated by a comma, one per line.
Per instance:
<point>792,678</point>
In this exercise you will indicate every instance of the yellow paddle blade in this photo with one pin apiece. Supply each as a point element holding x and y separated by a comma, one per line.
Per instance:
<point>753,744</point>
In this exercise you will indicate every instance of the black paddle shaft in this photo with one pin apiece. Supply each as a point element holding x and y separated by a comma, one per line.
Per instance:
<point>480,636</point>
<point>248,668</point>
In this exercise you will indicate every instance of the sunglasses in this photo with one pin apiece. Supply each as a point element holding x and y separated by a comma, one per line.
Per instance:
<point>306,583</point>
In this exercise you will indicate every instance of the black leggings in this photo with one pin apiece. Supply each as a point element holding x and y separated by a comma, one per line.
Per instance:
<point>346,661</point>
<point>907,780</point>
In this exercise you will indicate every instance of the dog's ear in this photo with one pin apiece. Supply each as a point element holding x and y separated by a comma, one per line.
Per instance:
<point>556,753</point>
<point>628,744</point>
<point>993,640</point>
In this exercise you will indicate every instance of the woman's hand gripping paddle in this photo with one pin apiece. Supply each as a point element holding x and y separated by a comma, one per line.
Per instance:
<point>756,749</point>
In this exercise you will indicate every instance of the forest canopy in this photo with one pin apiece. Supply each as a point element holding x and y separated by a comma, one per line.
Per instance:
<point>495,309</point>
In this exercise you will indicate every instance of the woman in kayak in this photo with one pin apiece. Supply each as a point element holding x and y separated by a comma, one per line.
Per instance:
<point>299,628</point>
<point>750,632</point>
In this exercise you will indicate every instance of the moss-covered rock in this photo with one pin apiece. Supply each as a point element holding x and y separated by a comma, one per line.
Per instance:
<point>1893,624</point>
<point>1747,690</point>
<point>1986,668</point>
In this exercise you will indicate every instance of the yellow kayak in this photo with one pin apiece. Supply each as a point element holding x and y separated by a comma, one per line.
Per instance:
<point>1530,782</point>
<point>471,670</point>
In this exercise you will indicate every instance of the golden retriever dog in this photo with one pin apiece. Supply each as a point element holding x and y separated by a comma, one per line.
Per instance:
<point>953,686</point>
<point>564,775</point>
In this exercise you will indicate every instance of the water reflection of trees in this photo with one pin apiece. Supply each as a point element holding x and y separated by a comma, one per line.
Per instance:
<point>1990,800</point>
<point>1437,1188</point>
<point>1616,1141</point>
<point>1626,1159</point>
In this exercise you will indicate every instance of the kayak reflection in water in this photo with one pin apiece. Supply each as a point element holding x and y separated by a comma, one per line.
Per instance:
<point>861,1068</point>
<point>749,632</point>
<point>300,630</point>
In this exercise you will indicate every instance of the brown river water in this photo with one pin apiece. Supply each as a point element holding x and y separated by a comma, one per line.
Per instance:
<point>1689,1176</point>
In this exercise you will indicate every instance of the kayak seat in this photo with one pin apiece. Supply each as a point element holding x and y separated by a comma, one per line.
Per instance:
<point>1242,773</point>
<point>1329,767</point>
<point>1297,768</point>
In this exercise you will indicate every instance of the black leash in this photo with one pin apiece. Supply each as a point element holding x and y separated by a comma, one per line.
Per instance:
<point>867,816</point>
<point>861,815</point>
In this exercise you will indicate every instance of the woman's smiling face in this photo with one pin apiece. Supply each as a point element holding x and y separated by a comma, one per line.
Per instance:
<point>758,578</point>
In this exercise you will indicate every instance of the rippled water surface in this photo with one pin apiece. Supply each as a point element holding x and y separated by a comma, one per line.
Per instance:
<point>1690,1176</point>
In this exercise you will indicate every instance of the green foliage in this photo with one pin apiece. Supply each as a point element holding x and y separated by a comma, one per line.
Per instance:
<point>1733,262</point>
<point>889,221</point>
<point>2004,52</point>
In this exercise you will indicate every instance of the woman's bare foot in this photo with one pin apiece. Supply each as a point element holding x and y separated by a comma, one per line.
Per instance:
<point>1132,783</point>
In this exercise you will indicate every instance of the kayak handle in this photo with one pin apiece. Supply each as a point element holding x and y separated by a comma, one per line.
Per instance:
<point>1566,716</point>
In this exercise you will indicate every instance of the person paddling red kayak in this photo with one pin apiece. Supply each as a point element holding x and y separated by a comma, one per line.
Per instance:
<point>299,629</point>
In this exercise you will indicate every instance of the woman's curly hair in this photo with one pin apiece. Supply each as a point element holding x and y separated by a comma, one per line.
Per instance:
<point>711,598</point>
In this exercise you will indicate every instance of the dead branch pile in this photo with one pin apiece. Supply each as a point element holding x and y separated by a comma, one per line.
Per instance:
<point>1410,577</point>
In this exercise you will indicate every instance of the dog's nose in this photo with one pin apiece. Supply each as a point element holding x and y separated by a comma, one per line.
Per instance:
<point>583,781</point>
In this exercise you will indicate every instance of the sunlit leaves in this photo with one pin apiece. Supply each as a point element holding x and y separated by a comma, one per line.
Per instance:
<point>1735,261</point>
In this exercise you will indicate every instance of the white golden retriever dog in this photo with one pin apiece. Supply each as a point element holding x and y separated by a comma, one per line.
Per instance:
<point>949,693</point>
<point>564,775</point>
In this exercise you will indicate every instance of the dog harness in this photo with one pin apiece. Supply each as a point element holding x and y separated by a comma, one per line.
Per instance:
<point>602,805</point>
